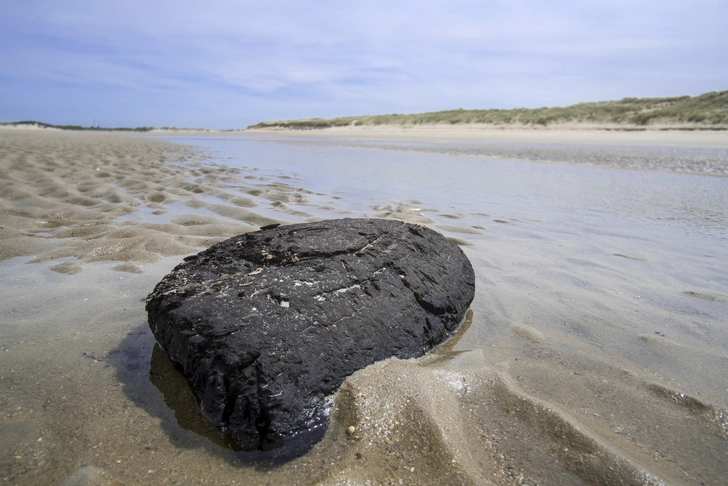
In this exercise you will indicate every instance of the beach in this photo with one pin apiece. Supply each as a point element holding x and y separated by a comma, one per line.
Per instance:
<point>595,351</point>
<point>556,133</point>
<point>616,146</point>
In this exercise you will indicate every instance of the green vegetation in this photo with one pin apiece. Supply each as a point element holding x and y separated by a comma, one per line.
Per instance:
<point>77,127</point>
<point>706,111</point>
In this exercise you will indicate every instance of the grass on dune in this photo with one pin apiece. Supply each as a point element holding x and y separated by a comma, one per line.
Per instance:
<point>708,110</point>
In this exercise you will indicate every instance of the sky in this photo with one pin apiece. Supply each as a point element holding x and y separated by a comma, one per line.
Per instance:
<point>228,64</point>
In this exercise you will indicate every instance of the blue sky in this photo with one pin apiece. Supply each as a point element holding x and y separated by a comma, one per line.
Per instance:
<point>228,64</point>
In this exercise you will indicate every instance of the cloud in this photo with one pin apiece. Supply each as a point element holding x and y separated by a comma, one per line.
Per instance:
<point>234,63</point>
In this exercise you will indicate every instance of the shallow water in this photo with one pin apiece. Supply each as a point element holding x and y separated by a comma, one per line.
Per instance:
<point>596,352</point>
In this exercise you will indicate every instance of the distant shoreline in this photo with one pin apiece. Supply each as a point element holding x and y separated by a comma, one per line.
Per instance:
<point>707,112</point>
<point>387,130</point>
<point>34,125</point>
<point>571,134</point>
<point>566,134</point>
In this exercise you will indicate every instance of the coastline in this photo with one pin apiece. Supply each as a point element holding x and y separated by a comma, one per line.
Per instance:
<point>686,152</point>
<point>577,133</point>
<point>562,134</point>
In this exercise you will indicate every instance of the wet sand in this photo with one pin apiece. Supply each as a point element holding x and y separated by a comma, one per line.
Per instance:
<point>101,197</point>
<point>595,352</point>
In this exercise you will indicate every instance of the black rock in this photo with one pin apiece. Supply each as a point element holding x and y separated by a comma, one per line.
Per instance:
<point>267,325</point>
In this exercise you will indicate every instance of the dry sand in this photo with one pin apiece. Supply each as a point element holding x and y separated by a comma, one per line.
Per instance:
<point>558,376</point>
<point>554,134</point>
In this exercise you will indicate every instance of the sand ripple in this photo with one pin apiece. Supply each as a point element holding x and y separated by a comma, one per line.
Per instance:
<point>91,197</point>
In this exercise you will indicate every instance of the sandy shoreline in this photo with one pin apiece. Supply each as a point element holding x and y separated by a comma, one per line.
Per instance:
<point>697,152</point>
<point>684,136</point>
<point>567,134</point>
<point>595,350</point>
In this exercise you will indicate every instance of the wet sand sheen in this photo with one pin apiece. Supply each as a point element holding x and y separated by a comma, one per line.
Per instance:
<point>103,197</point>
<point>590,356</point>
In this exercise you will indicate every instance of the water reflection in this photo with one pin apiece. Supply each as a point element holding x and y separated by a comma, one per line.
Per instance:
<point>179,397</point>
<point>695,203</point>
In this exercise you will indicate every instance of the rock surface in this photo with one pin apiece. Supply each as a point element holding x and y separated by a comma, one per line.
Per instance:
<point>267,325</point>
